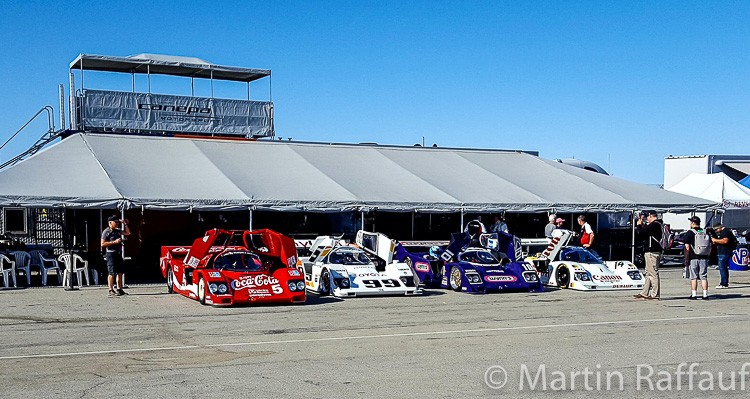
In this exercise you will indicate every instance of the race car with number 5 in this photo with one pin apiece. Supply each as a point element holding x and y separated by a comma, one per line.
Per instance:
<point>227,267</point>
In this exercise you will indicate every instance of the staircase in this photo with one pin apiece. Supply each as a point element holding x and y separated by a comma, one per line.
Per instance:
<point>46,138</point>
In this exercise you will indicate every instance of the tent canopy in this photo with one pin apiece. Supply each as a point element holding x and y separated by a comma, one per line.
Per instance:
<point>167,65</point>
<point>716,187</point>
<point>106,170</point>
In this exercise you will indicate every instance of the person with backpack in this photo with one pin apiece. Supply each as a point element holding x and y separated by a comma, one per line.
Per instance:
<point>651,233</point>
<point>725,242</point>
<point>697,248</point>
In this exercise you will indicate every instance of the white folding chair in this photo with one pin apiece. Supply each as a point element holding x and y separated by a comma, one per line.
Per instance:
<point>39,258</point>
<point>23,263</point>
<point>8,268</point>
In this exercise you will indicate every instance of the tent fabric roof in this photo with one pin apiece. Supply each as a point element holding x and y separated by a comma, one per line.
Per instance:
<point>716,187</point>
<point>743,167</point>
<point>106,170</point>
<point>167,65</point>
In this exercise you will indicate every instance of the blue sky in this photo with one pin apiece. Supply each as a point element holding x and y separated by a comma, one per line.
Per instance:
<point>622,85</point>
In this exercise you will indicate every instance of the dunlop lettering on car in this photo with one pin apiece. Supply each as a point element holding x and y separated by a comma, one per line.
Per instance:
<point>500,279</point>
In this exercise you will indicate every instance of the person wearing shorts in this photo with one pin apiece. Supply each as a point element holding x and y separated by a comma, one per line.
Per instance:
<point>112,243</point>
<point>698,266</point>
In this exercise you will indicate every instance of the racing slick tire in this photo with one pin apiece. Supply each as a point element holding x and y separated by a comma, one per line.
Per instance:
<point>170,281</point>
<point>201,290</point>
<point>563,277</point>
<point>455,278</point>
<point>325,283</point>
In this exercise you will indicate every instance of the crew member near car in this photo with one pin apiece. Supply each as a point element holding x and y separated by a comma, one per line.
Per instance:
<point>650,231</point>
<point>587,233</point>
<point>112,243</point>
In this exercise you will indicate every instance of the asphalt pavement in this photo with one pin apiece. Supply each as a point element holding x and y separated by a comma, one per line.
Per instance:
<point>559,343</point>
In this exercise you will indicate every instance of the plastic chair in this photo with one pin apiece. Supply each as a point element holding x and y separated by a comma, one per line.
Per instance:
<point>86,269</point>
<point>23,263</point>
<point>11,271</point>
<point>38,259</point>
<point>67,260</point>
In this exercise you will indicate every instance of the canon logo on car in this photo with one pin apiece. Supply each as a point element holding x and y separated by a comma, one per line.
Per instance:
<point>253,281</point>
<point>498,279</point>
<point>175,108</point>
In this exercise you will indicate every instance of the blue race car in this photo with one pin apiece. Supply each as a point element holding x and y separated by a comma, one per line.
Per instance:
<point>474,263</point>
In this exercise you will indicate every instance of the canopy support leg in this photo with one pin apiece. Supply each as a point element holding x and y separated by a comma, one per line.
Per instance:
<point>632,242</point>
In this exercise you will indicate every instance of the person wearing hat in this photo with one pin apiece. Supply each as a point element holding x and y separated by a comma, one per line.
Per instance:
<point>559,223</point>
<point>112,242</point>
<point>550,227</point>
<point>650,231</point>
<point>725,244</point>
<point>697,264</point>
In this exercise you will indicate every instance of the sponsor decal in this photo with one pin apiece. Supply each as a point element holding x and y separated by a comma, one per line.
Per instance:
<point>551,247</point>
<point>622,286</point>
<point>175,108</point>
<point>741,256</point>
<point>607,278</point>
<point>214,274</point>
<point>258,293</point>
<point>294,272</point>
<point>447,255</point>
<point>180,250</point>
<point>422,267</point>
<point>193,261</point>
<point>175,268</point>
<point>260,280</point>
<point>372,275</point>
<point>498,279</point>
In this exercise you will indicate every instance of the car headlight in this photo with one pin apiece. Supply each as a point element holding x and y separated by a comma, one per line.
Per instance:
<point>473,278</point>
<point>404,280</point>
<point>583,277</point>
<point>634,275</point>
<point>300,285</point>
<point>530,277</point>
<point>292,285</point>
<point>213,288</point>
<point>223,289</point>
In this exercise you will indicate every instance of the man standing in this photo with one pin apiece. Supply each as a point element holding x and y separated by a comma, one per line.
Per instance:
<point>112,241</point>
<point>651,233</point>
<point>725,244</point>
<point>481,225</point>
<point>498,225</point>
<point>696,255</point>
<point>551,226</point>
<point>587,233</point>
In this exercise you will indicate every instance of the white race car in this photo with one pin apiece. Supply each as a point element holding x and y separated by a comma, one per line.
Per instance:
<point>366,268</point>
<point>577,268</point>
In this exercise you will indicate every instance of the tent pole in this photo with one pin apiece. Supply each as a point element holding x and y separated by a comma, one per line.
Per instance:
<point>248,91</point>
<point>632,242</point>
<point>148,74</point>
<point>212,83</point>
<point>461,227</point>
<point>362,216</point>
<point>413,214</point>
<point>250,219</point>
<point>132,74</point>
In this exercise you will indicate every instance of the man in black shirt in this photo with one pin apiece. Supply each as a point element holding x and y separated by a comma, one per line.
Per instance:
<point>650,232</point>
<point>112,241</point>
<point>725,244</point>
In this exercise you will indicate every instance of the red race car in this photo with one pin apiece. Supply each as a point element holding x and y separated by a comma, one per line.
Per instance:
<point>233,266</point>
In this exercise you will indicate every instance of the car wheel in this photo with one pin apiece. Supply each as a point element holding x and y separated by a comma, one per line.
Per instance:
<point>201,290</point>
<point>455,278</point>
<point>170,281</point>
<point>563,277</point>
<point>325,283</point>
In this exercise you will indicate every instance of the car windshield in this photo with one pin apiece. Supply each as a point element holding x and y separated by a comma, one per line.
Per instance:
<point>580,255</point>
<point>238,260</point>
<point>480,257</point>
<point>348,256</point>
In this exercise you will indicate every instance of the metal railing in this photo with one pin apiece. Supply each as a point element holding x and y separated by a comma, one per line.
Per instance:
<point>46,138</point>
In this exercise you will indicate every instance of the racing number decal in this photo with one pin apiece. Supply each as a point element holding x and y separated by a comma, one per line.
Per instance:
<point>390,283</point>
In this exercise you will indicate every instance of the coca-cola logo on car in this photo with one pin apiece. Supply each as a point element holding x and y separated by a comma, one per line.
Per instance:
<point>253,281</point>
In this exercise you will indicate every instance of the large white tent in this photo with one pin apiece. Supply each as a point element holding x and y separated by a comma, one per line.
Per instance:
<point>89,170</point>
<point>716,187</point>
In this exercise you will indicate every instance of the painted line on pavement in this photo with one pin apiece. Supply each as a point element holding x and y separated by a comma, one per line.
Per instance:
<point>361,337</point>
